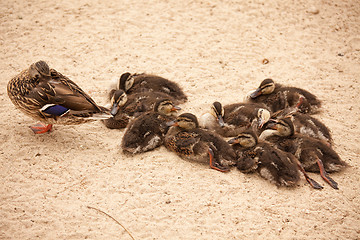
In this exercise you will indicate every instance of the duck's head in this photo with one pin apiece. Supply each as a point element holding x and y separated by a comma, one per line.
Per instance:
<point>267,86</point>
<point>245,139</point>
<point>40,68</point>
<point>126,81</point>
<point>217,111</point>
<point>118,99</point>
<point>185,121</point>
<point>263,117</point>
<point>248,162</point>
<point>166,107</point>
<point>283,127</point>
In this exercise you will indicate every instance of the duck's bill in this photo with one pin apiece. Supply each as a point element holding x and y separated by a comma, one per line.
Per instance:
<point>172,123</point>
<point>262,122</point>
<point>233,141</point>
<point>221,121</point>
<point>114,109</point>
<point>256,93</point>
<point>175,108</point>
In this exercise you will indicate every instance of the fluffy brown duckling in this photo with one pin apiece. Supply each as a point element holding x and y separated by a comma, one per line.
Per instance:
<point>232,119</point>
<point>278,97</point>
<point>186,139</point>
<point>306,125</point>
<point>50,97</point>
<point>147,131</point>
<point>136,83</point>
<point>125,107</point>
<point>315,155</point>
<point>271,163</point>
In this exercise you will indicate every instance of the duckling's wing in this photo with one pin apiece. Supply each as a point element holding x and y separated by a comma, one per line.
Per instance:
<point>184,142</point>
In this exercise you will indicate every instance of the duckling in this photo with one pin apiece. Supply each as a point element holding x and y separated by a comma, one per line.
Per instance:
<point>136,83</point>
<point>125,107</point>
<point>315,155</point>
<point>147,131</point>
<point>307,125</point>
<point>271,163</point>
<point>230,120</point>
<point>186,139</point>
<point>48,96</point>
<point>278,97</point>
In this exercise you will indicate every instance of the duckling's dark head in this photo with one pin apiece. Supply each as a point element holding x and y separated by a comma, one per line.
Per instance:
<point>118,99</point>
<point>40,68</point>
<point>267,86</point>
<point>165,106</point>
<point>217,111</point>
<point>186,121</point>
<point>126,81</point>
<point>246,139</point>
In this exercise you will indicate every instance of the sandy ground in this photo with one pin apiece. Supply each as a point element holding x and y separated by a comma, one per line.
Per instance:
<point>214,50</point>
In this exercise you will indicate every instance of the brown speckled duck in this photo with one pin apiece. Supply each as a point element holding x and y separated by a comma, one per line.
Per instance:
<point>278,97</point>
<point>233,119</point>
<point>315,155</point>
<point>271,163</point>
<point>125,107</point>
<point>186,139</point>
<point>147,131</point>
<point>307,125</point>
<point>135,83</point>
<point>50,97</point>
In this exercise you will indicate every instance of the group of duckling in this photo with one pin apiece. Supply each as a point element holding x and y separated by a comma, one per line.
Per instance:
<point>271,132</point>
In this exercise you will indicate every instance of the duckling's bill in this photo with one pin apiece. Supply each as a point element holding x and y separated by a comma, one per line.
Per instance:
<point>115,108</point>
<point>256,93</point>
<point>175,108</point>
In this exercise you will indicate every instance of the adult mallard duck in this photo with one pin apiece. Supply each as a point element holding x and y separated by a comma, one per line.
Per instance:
<point>271,163</point>
<point>147,131</point>
<point>125,107</point>
<point>278,97</point>
<point>315,155</point>
<point>50,97</point>
<point>232,119</point>
<point>186,139</point>
<point>136,83</point>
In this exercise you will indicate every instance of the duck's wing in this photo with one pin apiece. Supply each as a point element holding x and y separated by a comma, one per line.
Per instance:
<point>58,95</point>
<point>184,142</point>
<point>69,94</point>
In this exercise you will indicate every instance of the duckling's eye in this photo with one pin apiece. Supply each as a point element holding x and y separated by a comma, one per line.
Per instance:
<point>244,137</point>
<point>266,86</point>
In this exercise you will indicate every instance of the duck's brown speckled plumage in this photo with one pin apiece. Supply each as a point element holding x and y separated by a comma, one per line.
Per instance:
<point>309,126</point>
<point>198,144</point>
<point>282,97</point>
<point>236,117</point>
<point>271,163</point>
<point>147,131</point>
<point>39,85</point>
<point>136,104</point>
<point>151,83</point>
<point>312,153</point>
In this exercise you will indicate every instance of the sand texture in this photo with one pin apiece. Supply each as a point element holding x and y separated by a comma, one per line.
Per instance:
<point>52,184</point>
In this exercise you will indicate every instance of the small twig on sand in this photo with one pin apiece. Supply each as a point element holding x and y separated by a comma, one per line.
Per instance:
<point>112,219</point>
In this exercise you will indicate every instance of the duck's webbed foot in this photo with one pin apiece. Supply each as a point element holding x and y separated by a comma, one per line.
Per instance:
<point>325,175</point>
<point>311,181</point>
<point>215,164</point>
<point>40,128</point>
